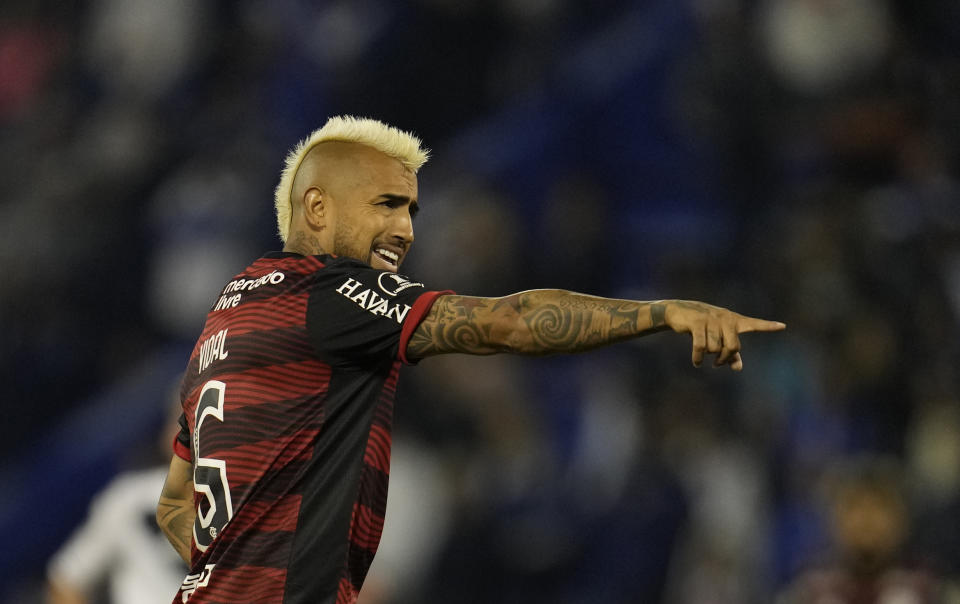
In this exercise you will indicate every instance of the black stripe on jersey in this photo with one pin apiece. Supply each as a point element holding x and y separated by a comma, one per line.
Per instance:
<point>272,547</point>
<point>321,546</point>
<point>376,497</point>
<point>360,561</point>
<point>263,422</point>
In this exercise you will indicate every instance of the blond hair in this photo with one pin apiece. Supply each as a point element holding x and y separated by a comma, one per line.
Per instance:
<point>388,140</point>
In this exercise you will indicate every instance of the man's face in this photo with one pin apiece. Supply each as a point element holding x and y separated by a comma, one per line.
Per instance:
<point>373,211</point>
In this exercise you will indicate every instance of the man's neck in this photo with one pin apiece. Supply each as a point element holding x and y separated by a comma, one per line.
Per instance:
<point>303,244</point>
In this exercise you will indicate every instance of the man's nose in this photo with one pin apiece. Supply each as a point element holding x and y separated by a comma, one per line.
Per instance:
<point>403,226</point>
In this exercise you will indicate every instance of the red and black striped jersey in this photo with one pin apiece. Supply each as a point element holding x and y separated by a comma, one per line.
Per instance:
<point>287,411</point>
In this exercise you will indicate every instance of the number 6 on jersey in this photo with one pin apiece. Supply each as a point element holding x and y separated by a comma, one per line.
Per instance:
<point>210,475</point>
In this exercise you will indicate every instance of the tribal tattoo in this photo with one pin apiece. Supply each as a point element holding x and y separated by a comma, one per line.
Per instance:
<point>536,322</point>
<point>454,324</point>
<point>658,314</point>
<point>175,517</point>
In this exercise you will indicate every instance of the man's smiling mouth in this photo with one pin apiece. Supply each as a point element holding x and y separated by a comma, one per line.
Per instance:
<point>391,258</point>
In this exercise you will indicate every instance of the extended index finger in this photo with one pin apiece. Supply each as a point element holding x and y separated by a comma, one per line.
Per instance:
<point>748,324</point>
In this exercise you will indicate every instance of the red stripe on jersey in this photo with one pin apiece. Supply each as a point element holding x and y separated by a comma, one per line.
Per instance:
<point>366,527</point>
<point>266,313</point>
<point>242,585</point>
<point>279,515</point>
<point>346,593</point>
<point>180,450</point>
<point>377,454</point>
<point>390,385</point>
<point>266,384</point>
<point>245,464</point>
<point>298,264</point>
<point>287,381</point>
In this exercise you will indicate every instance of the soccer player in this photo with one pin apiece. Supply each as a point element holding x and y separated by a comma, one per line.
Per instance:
<point>277,488</point>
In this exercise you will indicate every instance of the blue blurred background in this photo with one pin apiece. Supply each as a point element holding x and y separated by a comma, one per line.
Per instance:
<point>792,159</point>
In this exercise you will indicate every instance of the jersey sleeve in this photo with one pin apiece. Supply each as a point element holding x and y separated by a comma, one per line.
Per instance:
<point>181,442</point>
<point>357,314</point>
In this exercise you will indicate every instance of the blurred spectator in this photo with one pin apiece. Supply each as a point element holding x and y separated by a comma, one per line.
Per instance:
<point>119,551</point>
<point>818,46</point>
<point>471,236</point>
<point>203,222</point>
<point>720,558</point>
<point>416,525</point>
<point>933,474</point>
<point>867,562</point>
<point>119,547</point>
<point>140,50</point>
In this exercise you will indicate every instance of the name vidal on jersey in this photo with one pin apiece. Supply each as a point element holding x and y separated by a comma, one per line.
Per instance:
<point>212,350</point>
<point>370,301</point>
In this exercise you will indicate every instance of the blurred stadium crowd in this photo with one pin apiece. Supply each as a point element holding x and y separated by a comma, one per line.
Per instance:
<point>793,159</point>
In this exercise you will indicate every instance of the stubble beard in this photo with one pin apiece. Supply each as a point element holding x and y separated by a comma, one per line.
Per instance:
<point>344,245</point>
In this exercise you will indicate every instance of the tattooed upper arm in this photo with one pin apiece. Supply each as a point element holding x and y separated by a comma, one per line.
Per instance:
<point>467,324</point>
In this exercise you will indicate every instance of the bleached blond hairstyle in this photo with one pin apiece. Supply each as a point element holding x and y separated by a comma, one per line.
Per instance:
<point>388,140</point>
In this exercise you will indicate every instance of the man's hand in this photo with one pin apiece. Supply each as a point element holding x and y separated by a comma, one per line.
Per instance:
<point>714,330</point>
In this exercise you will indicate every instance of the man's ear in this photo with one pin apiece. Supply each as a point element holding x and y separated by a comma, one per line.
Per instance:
<point>315,208</point>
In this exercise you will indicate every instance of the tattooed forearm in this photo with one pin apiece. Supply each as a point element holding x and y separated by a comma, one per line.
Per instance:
<point>658,314</point>
<point>533,323</point>
<point>175,518</point>
<point>699,307</point>
<point>568,322</point>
